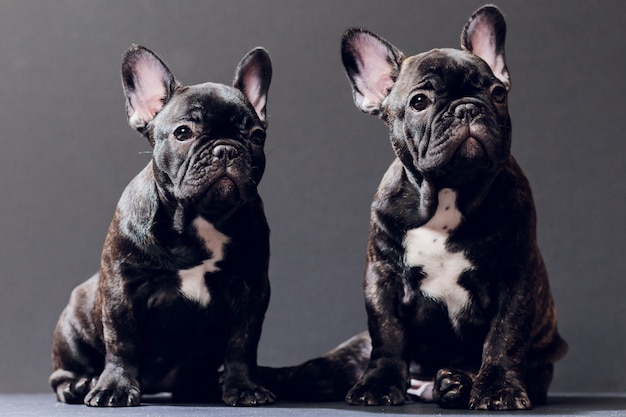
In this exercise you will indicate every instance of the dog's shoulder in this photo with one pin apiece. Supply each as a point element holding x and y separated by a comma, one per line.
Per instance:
<point>139,201</point>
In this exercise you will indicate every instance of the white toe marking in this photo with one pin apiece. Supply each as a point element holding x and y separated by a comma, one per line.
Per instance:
<point>421,389</point>
<point>425,247</point>
<point>192,283</point>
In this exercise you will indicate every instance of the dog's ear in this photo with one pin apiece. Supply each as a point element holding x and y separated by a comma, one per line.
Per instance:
<point>252,77</point>
<point>484,35</point>
<point>372,65</point>
<point>148,85</point>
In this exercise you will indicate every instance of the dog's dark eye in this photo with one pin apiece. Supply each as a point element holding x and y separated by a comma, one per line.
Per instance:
<point>257,137</point>
<point>498,94</point>
<point>419,102</point>
<point>183,133</point>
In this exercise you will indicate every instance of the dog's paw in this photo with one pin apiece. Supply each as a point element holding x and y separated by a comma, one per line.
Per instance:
<point>74,391</point>
<point>117,391</point>
<point>376,392</point>
<point>248,396</point>
<point>452,388</point>
<point>117,397</point>
<point>498,394</point>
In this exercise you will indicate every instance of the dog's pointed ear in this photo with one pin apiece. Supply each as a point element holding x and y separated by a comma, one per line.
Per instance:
<point>252,77</point>
<point>148,85</point>
<point>372,65</point>
<point>484,35</point>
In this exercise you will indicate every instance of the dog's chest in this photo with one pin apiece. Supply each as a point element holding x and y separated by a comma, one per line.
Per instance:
<point>192,281</point>
<point>425,247</point>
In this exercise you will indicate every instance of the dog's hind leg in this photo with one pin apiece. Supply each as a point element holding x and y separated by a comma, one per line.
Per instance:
<point>327,378</point>
<point>76,360</point>
<point>69,387</point>
<point>75,370</point>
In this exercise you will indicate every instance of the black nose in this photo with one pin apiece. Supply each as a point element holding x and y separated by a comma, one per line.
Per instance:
<point>466,111</point>
<point>227,152</point>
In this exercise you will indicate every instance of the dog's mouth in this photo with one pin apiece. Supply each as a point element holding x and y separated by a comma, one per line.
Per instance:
<point>470,155</point>
<point>460,160</point>
<point>219,176</point>
<point>223,192</point>
<point>224,184</point>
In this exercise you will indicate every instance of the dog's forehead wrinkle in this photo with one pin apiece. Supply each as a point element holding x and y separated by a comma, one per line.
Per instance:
<point>207,95</point>
<point>446,70</point>
<point>209,109</point>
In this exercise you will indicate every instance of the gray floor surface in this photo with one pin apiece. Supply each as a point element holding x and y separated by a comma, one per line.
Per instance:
<point>26,405</point>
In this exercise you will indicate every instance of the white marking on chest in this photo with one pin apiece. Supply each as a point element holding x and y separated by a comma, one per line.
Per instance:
<point>192,283</point>
<point>425,247</point>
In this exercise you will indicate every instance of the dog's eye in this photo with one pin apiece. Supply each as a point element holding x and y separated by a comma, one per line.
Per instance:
<point>183,133</point>
<point>498,94</point>
<point>257,137</point>
<point>419,102</point>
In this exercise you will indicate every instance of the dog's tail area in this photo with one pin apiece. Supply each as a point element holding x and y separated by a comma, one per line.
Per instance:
<point>327,378</point>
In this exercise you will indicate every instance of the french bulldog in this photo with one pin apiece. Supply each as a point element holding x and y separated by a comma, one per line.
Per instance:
<point>455,287</point>
<point>182,290</point>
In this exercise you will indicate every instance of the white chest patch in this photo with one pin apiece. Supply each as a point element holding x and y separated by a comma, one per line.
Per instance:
<point>192,283</point>
<point>425,247</point>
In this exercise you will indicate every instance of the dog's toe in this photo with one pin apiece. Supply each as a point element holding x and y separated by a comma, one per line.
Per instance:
<point>502,398</point>
<point>248,397</point>
<point>372,395</point>
<point>113,398</point>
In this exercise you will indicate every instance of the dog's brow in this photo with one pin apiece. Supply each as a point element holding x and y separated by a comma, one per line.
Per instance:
<point>425,83</point>
<point>195,115</point>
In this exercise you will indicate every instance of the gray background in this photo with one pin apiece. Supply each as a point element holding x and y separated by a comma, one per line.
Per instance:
<point>66,154</point>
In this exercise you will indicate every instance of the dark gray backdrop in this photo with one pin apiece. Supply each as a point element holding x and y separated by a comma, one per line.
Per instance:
<point>66,153</point>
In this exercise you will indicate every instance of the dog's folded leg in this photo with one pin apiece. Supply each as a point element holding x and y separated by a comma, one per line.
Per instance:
<point>327,378</point>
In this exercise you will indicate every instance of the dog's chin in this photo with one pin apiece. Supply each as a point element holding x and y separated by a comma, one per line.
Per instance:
<point>470,149</point>
<point>225,193</point>
<point>224,189</point>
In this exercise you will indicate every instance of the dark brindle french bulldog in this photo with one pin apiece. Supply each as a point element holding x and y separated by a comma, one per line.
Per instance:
<point>454,283</point>
<point>182,288</point>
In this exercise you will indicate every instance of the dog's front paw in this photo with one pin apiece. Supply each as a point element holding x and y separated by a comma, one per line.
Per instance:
<point>452,388</point>
<point>492,393</point>
<point>116,391</point>
<point>377,391</point>
<point>248,396</point>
